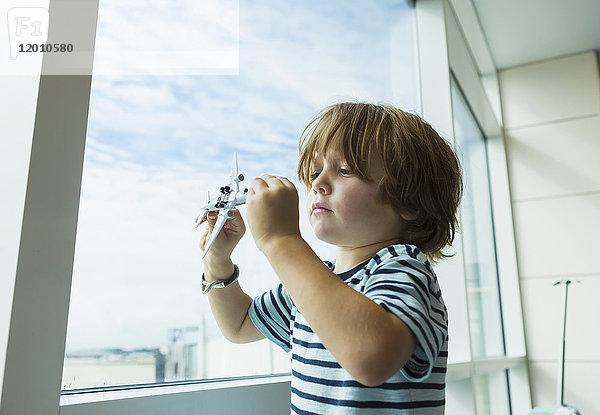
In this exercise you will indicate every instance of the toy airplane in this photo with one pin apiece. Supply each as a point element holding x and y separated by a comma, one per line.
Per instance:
<point>230,197</point>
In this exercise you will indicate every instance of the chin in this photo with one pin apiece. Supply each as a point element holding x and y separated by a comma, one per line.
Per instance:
<point>325,236</point>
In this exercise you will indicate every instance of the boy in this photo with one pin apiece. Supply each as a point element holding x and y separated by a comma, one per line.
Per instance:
<point>368,331</point>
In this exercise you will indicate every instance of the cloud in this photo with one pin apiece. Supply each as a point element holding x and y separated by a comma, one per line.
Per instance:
<point>167,37</point>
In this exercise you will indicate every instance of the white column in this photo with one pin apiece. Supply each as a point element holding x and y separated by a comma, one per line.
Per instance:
<point>41,280</point>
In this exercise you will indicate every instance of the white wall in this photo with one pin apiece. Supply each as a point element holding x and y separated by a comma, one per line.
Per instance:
<point>552,121</point>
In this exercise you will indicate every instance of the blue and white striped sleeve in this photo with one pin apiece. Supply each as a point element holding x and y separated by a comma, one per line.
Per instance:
<point>271,313</point>
<point>407,288</point>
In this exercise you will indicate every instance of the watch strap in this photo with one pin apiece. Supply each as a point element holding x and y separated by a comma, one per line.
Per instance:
<point>207,286</point>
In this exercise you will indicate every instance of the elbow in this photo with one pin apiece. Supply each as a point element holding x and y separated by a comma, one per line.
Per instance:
<point>242,335</point>
<point>371,382</point>
<point>238,340</point>
<point>234,337</point>
<point>372,377</point>
<point>378,368</point>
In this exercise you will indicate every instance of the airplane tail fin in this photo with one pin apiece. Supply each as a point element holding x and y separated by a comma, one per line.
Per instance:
<point>234,167</point>
<point>236,177</point>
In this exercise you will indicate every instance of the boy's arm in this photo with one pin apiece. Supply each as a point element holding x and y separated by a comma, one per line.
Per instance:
<point>369,342</point>
<point>230,304</point>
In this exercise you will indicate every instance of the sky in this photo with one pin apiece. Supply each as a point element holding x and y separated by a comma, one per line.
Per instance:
<point>165,120</point>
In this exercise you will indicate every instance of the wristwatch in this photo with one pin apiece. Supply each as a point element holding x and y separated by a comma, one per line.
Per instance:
<point>207,286</point>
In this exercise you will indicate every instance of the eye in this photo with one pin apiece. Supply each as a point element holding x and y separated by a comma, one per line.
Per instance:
<point>345,171</point>
<point>314,175</point>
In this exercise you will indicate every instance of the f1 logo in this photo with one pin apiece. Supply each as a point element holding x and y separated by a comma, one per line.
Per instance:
<point>26,26</point>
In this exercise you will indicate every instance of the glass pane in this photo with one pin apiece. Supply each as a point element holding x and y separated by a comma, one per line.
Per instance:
<point>478,234</point>
<point>491,394</point>
<point>459,397</point>
<point>157,142</point>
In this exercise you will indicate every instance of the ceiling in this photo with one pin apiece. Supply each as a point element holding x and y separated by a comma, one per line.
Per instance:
<point>524,31</point>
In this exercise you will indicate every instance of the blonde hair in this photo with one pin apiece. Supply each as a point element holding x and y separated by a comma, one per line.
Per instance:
<point>422,173</point>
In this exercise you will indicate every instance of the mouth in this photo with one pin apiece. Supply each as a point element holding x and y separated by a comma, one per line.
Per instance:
<point>316,208</point>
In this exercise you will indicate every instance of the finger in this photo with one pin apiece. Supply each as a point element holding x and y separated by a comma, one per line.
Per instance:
<point>287,182</point>
<point>204,220</point>
<point>235,219</point>
<point>278,180</point>
<point>233,224</point>
<point>258,184</point>
<point>211,218</point>
<point>237,215</point>
<point>204,238</point>
<point>275,181</point>
<point>272,179</point>
<point>200,218</point>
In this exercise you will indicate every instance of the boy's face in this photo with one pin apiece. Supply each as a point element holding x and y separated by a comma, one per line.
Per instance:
<point>344,210</point>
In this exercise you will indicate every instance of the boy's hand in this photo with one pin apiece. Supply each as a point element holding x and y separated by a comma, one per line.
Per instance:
<point>272,210</point>
<point>228,238</point>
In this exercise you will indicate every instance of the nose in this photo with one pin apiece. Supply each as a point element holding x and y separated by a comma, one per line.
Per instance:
<point>321,184</point>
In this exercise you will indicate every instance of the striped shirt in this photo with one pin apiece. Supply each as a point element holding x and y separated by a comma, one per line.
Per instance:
<point>401,280</point>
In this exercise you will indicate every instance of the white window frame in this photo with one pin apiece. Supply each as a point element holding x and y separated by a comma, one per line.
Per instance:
<point>269,395</point>
<point>34,328</point>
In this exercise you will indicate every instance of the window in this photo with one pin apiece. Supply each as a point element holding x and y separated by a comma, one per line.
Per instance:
<point>478,234</point>
<point>241,77</point>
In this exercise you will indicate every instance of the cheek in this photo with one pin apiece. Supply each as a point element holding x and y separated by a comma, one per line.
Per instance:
<point>362,207</point>
<point>358,202</point>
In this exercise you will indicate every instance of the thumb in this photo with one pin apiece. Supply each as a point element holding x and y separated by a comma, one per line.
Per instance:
<point>211,218</point>
<point>207,217</point>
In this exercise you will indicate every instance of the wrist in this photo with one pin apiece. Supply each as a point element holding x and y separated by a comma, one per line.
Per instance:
<point>209,285</point>
<point>217,269</point>
<point>276,243</point>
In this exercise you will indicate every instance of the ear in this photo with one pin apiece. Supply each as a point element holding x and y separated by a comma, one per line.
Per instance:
<point>409,215</point>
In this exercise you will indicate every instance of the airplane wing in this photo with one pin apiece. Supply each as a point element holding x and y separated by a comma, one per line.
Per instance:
<point>200,218</point>
<point>209,206</point>
<point>221,219</point>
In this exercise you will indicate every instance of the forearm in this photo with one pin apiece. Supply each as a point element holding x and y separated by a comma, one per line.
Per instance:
<point>230,305</point>
<point>358,332</point>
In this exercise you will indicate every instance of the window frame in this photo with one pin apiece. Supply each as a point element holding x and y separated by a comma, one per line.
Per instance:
<point>267,394</point>
<point>487,319</point>
<point>472,73</point>
<point>35,326</point>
